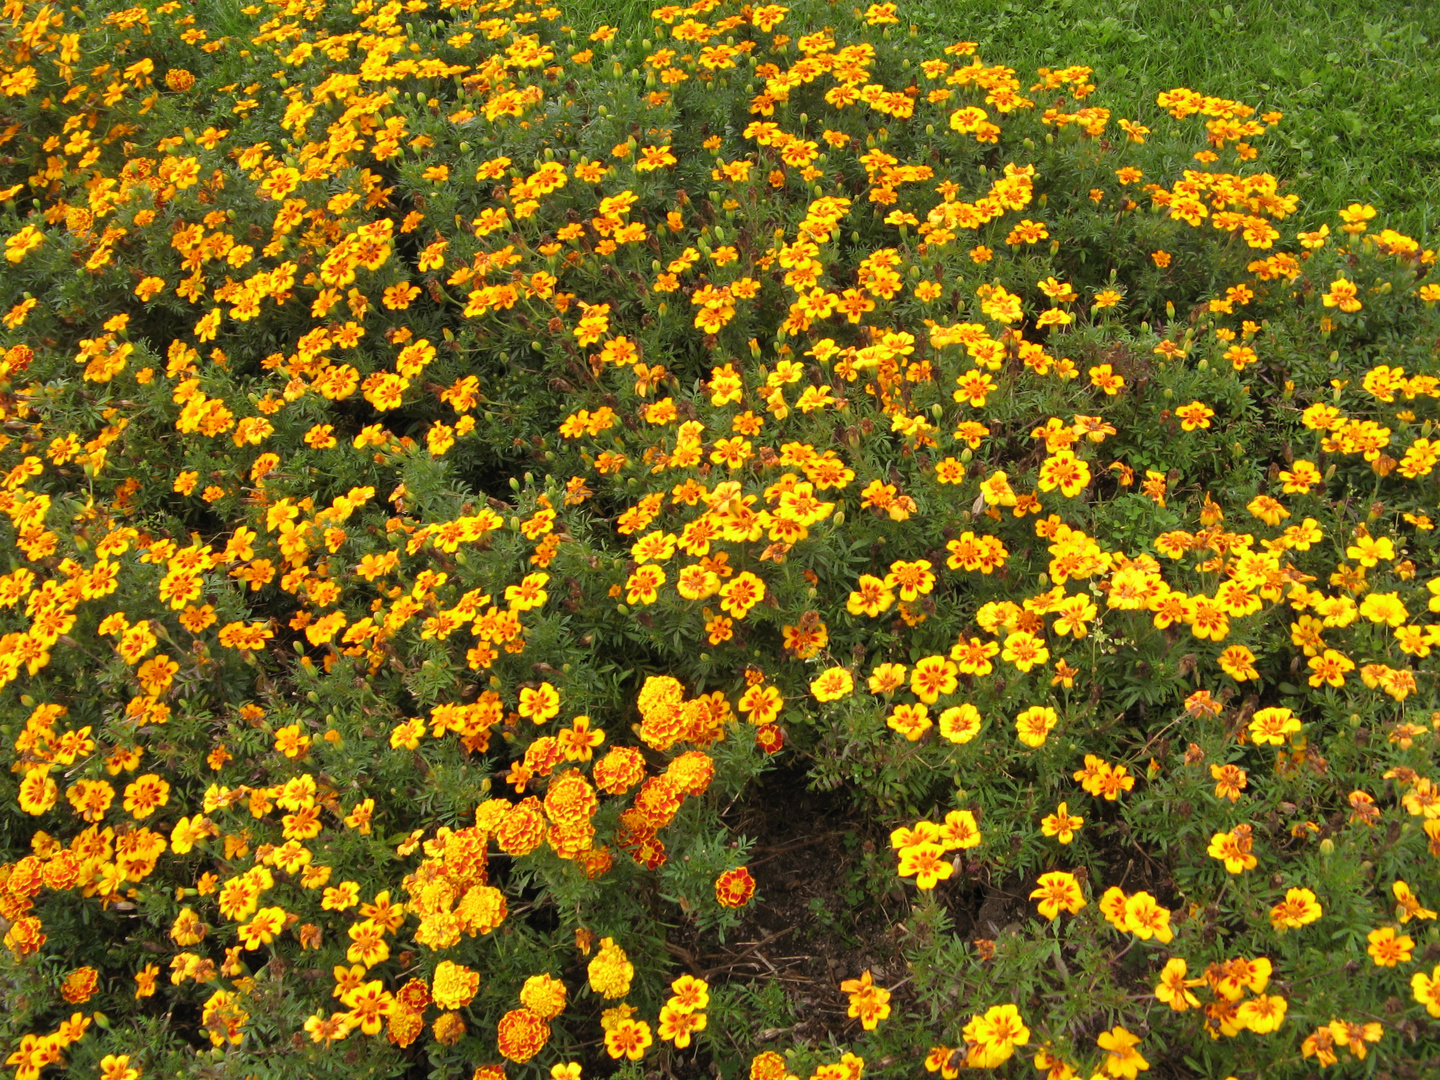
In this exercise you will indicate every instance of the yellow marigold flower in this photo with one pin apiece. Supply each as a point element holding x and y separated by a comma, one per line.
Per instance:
<point>959,831</point>
<point>678,1024</point>
<point>932,677</point>
<point>1145,918</point>
<point>832,684</point>
<point>149,288</point>
<point>1389,948</point>
<point>1035,724</point>
<point>909,720</point>
<point>1343,294</point>
<point>610,970</point>
<point>992,1038</point>
<point>1061,824</point>
<point>1272,726</point>
<point>926,864</point>
<point>1174,987</point>
<point>1233,848</point>
<point>868,1002</point>
<point>1426,989</point>
<point>1299,908</point>
<point>960,723</point>
<point>1065,471</point>
<point>628,1039</point>
<point>454,985</point>
<point>1122,1060</point>
<point>1261,1014</point>
<point>1058,891</point>
<point>1025,650</point>
<point>22,243</point>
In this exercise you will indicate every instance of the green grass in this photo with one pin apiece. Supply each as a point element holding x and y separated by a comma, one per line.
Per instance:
<point>1356,80</point>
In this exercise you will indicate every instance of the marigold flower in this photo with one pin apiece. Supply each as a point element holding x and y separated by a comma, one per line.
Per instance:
<point>926,864</point>
<point>1104,378</point>
<point>1025,650</point>
<point>872,598</point>
<point>1389,948</point>
<point>1035,724</point>
<point>628,1039</point>
<point>1272,726</point>
<point>325,1030</point>
<point>741,593</point>
<point>80,985</point>
<point>1174,987</point>
<point>991,1038</point>
<point>734,888</point>
<point>1426,990</point>
<point>1299,908</point>
<point>1058,891</point>
<point>1145,918</point>
<point>678,1024</point>
<point>1408,905</point>
<point>912,721</point>
<point>540,703</point>
<point>1238,662</point>
<point>38,791</point>
<point>642,587</point>
<point>1343,294</point>
<point>868,1002</point>
<point>959,831</point>
<point>1061,824</point>
<point>1233,849</point>
<point>262,929</point>
<point>960,723</point>
<point>832,684</point>
<point>1065,471</point>
<point>1230,781</point>
<point>1261,1014</point>
<point>610,970</point>
<point>520,1035</point>
<point>454,985</point>
<point>1122,1060</point>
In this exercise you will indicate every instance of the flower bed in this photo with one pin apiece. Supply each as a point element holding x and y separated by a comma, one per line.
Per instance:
<point>453,464</point>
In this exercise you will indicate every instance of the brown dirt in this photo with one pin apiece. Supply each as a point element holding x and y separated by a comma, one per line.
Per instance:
<point>807,847</point>
<point>808,850</point>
